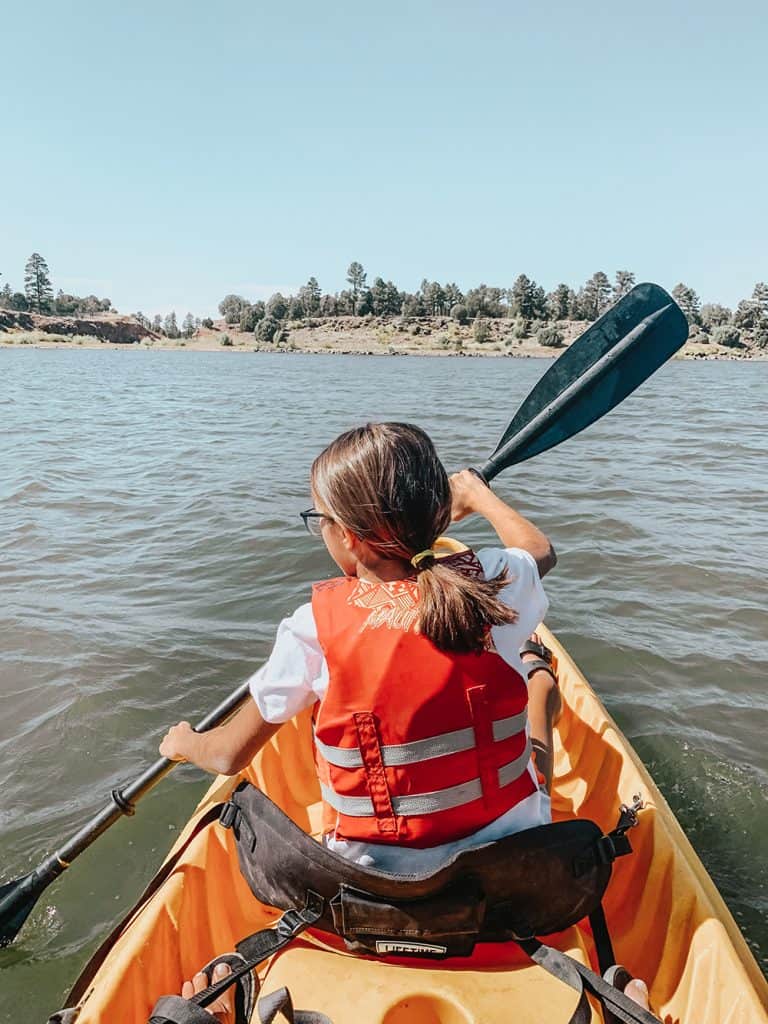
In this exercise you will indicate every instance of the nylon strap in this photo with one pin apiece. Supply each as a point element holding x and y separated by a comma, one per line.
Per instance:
<point>280,1002</point>
<point>177,1010</point>
<point>605,956</point>
<point>536,665</point>
<point>477,698</point>
<point>263,944</point>
<point>617,1006</point>
<point>373,762</point>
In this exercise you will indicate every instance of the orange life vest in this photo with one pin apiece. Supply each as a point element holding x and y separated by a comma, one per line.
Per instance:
<point>414,746</point>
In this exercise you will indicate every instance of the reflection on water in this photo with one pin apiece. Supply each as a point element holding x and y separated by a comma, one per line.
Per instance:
<point>149,543</point>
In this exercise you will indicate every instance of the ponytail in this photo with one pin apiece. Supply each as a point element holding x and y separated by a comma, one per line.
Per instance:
<point>456,611</point>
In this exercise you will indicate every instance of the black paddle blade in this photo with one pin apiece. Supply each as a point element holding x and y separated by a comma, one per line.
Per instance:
<point>17,901</point>
<point>612,358</point>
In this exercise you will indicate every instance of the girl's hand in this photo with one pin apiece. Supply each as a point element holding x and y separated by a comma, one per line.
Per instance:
<point>178,741</point>
<point>468,493</point>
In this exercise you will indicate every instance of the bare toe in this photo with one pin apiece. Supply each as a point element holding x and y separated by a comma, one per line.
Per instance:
<point>199,982</point>
<point>224,1004</point>
<point>637,991</point>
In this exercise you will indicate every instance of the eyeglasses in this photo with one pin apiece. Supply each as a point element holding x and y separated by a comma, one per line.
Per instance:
<point>313,520</point>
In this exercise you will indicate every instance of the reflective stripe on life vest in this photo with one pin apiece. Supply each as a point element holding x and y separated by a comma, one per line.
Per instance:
<point>427,803</point>
<point>422,750</point>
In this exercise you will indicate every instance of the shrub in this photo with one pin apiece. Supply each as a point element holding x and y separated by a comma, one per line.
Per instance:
<point>481,332</point>
<point>226,341</point>
<point>521,330</point>
<point>207,323</point>
<point>231,306</point>
<point>713,314</point>
<point>550,337</point>
<point>761,337</point>
<point>459,313</point>
<point>266,329</point>
<point>727,336</point>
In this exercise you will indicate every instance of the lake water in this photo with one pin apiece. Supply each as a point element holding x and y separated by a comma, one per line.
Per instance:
<point>150,543</point>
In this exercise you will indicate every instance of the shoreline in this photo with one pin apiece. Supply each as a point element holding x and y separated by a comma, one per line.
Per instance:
<point>428,336</point>
<point>690,352</point>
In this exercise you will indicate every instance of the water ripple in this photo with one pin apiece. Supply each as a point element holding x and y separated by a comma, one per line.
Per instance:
<point>149,544</point>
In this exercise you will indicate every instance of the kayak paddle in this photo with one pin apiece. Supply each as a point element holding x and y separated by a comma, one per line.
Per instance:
<point>604,365</point>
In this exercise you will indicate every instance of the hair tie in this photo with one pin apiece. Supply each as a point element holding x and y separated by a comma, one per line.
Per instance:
<point>417,559</point>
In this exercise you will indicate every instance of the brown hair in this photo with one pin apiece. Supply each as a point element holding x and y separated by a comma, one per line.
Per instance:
<point>385,483</point>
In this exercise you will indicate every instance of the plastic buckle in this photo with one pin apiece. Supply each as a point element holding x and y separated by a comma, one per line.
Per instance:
<point>229,814</point>
<point>628,815</point>
<point>532,647</point>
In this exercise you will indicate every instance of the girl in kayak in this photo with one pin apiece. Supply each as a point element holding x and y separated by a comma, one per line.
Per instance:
<point>424,719</point>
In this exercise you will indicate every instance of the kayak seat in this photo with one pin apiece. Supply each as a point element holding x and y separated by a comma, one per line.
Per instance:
<point>535,882</point>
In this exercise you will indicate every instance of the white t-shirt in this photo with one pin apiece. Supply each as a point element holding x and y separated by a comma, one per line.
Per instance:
<point>296,676</point>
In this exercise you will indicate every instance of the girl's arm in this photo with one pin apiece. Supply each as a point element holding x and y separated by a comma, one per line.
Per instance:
<point>470,495</point>
<point>225,750</point>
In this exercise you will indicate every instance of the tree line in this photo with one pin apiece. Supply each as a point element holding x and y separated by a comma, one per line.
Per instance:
<point>526,301</point>
<point>38,295</point>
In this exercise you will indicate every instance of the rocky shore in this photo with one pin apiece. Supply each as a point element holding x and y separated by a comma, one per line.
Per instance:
<point>339,335</point>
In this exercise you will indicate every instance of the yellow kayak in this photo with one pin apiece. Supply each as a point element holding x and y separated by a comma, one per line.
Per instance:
<point>668,922</point>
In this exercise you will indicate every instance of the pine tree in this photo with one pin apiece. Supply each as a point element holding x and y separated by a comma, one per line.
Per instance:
<point>624,283</point>
<point>433,297</point>
<point>760,299</point>
<point>37,284</point>
<point>688,301</point>
<point>453,295</point>
<point>188,326</point>
<point>170,326</point>
<point>559,302</point>
<point>595,296</point>
<point>356,277</point>
<point>310,295</point>
<point>157,324</point>
<point>527,299</point>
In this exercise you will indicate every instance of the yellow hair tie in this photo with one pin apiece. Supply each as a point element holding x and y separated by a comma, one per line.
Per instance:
<point>429,553</point>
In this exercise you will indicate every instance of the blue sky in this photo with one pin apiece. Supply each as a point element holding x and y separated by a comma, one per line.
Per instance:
<point>166,153</point>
